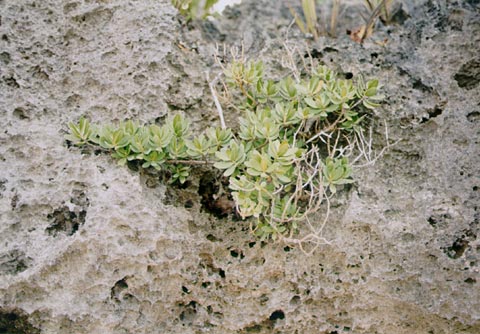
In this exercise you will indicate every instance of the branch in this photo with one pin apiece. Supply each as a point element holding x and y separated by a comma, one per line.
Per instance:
<point>215,98</point>
<point>189,162</point>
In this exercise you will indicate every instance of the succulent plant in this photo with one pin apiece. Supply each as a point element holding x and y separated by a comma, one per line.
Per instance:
<point>230,158</point>
<point>288,151</point>
<point>80,133</point>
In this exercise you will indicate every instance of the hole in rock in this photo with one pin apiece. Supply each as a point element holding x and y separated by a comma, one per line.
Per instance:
<point>14,262</point>
<point>439,219</point>
<point>457,249</point>
<point>468,76</point>
<point>254,329</point>
<point>330,49</point>
<point>221,272</point>
<point>474,116</point>
<point>470,280</point>
<point>118,287</point>
<point>178,195</point>
<point>207,263</point>
<point>12,82</point>
<point>213,238</point>
<point>65,221</point>
<point>20,113</point>
<point>419,85</point>
<point>432,221</point>
<point>315,54</point>
<point>295,300</point>
<point>263,299</point>
<point>277,315</point>
<point>213,199</point>
<point>79,196</point>
<point>2,186</point>
<point>188,315</point>
<point>236,253</point>
<point>437,111</point>
<point>16,321</point>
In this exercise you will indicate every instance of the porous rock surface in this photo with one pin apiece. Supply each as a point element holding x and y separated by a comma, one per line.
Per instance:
<point>87,246</point>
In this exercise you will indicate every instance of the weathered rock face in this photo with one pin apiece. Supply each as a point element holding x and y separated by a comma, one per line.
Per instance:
<point>87,246</point>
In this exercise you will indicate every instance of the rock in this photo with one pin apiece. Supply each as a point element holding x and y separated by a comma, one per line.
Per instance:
<point>87,246</point>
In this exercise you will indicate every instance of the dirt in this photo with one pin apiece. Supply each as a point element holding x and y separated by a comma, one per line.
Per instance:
<point>87,246</point>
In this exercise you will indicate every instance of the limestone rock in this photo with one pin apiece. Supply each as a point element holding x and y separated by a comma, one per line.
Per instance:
<point>87,246</point>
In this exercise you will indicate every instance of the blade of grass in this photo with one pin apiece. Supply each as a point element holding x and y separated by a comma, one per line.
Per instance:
<point>310,12</point>
<point>334,16</point>
<point>298,20</point>
<point>371,21</point>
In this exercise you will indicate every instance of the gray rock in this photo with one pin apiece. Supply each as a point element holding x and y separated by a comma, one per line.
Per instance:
<point>87,246</point>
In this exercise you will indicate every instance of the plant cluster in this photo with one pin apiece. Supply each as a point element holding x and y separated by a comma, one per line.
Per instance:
<point>169,147</point>
<point>310,24</point>
<point>192,9</point>
<point>288,155</point>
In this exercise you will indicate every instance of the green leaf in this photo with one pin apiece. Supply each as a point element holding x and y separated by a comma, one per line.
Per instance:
<point>111,138</point>
<point>268,130</point>
<point>287,89</point>
<point>336,172</point>
<point>199,147</point>
<point>311,103</point>
<point>81,133</point>
<point>282,152</point>
<point>370,105</point>
<point>219,137</point>
<point>324,73</point>
<point>160,137</point>
<point>122,154</point>
<point>130,128</point>
<point>140,143</point>
<point>180,173</point>
<point>258,164</point>
<point>223,165</point>
<point>154,159</point>
<point>248,131</point>
<point>179,125</point>
<point>285,114</point>
<point>230,156</point>
<point>177,148</point>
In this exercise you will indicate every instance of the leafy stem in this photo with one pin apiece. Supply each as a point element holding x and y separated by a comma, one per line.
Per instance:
<point>285,160</point>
